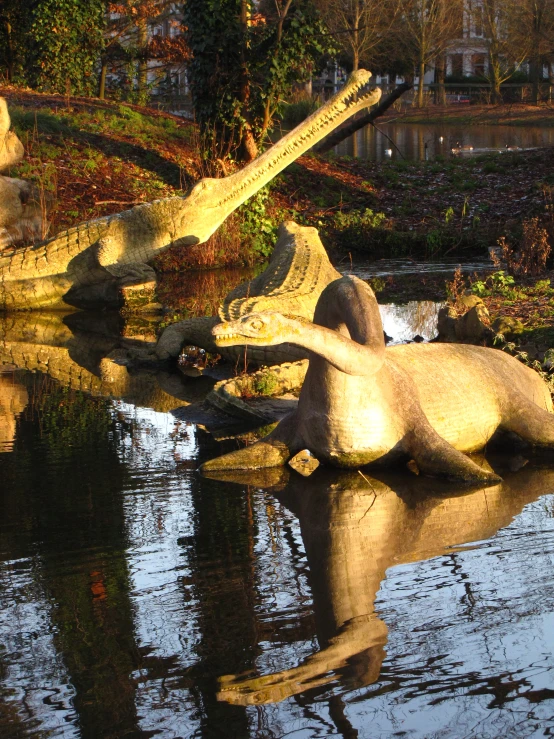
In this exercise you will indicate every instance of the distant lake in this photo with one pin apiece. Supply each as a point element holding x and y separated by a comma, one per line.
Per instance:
<point>423,140</point>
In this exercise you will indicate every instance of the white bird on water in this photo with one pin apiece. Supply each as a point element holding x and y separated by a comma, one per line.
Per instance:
<point>388,152</point>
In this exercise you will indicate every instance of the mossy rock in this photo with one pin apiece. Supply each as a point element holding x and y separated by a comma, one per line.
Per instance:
<point>508,326</point>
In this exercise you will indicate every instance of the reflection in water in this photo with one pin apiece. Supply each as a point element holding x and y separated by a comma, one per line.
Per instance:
<point>403,267</point>
<point>13,399</point>
<point>85,358</point>
<point>129,585</point>
<point>354,529</point>
<point>423,140</point>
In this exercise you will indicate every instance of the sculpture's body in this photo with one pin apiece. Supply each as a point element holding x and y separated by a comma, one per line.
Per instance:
<point>361,404</point>
<point>88,264</point>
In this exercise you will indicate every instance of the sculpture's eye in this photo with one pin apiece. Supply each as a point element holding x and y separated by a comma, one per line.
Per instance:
<point>256,325</point>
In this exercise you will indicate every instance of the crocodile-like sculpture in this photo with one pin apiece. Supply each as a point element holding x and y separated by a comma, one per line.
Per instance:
<point>85,356</point>
<point>89,264</point>
<point>298,272</point>
<point>363,404</point>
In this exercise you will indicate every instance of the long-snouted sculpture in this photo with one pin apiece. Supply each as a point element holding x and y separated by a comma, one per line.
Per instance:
<point>298,272</point>
<point>364,404</point>
<point>88,264</point>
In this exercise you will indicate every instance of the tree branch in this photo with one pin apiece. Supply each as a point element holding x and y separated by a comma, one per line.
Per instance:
<point>347,130</point>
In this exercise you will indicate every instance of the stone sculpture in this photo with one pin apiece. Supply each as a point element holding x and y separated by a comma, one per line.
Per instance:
<point>354,528</point>
<point>21,214</point>
<point>298,272</point>
<point>363,404</point>
<point>89,264</point>
<point>11,148</point>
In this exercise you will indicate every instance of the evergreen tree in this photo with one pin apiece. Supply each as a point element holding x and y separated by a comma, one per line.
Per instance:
<point>246,57</point>
<point>52,45</point>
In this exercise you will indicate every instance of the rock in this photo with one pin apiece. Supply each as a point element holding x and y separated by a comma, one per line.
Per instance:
<point>21,217</point>
<point>507,326</point>
<point>11,148</point>
<point>470,301</point>
<point>12,197</point>
<point>304,463</point>
<point>530,349</point>
<point>474,326</point>
<point>446,324</point>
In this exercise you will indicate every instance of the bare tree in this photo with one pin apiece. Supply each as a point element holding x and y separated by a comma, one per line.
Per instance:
<point>532,30</point>
<point>359,26</point>
<point>424,32</point>
<point>508,49</point>
<point>129,41</point>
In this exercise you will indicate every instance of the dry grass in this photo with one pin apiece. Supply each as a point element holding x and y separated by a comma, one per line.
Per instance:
<point>531,256</point>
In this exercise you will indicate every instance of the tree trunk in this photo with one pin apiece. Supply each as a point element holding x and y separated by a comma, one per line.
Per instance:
<point>496,97</point>
<point>249,148</point>
<point>278,37</point>
<point>142,80</point>
<point>355,37</point>
<point>420,84</point>
<point>534,73</point>
<point>440,90</point>
<point>10,52</point>
<point>102,88</point>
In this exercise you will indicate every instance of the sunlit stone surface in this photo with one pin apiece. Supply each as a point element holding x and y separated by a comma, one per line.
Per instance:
<point>137,597</point>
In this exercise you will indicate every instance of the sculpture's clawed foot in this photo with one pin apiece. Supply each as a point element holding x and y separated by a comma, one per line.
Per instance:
<point>274,450</point>
<point>436,457</point>
<point>259,455</point>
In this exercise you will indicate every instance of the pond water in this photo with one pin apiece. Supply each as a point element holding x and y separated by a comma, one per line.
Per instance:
<point>421,141</point>
<point>139,599</point>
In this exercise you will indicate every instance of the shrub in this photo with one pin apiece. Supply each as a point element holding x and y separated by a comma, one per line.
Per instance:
<point>533,251</point>
<point>298,110</point>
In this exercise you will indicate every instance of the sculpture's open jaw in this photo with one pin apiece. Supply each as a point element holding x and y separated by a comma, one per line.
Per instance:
<point>354,96</point>
<point>227,334</point>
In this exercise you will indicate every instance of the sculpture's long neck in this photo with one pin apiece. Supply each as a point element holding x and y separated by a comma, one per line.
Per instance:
<point>347,331</point>
<point>339,351</point>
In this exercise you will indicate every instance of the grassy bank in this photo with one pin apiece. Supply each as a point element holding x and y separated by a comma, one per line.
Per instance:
<point>454,207</point>
<point>91,158</point>
<point>513,114</point>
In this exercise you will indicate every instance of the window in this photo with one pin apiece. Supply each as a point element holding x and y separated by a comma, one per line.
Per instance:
<point>457,65</point>
<point>478,20</point>
<point>478,65</point>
